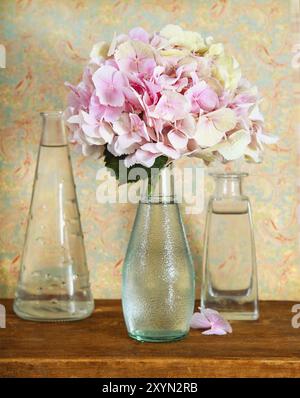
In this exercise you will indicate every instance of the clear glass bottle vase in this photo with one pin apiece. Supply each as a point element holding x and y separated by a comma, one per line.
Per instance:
<point>158,272</point>
<point>54,281</point>
<point>229,280</point>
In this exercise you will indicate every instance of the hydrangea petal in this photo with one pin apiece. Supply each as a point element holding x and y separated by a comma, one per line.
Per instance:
<point>139,34</point>
<point>109,84</point>
<point>172,106</point>
<point>134,57</point>
<point>99,52</point>
<point>143,157</point>
<point>106,132</point>
<point>177,139</point>
<point>212,321</point>
<point>192,41</point>
<point>215,331</point>
<point>212,127</point>
<point>223,119</point>
<point>227,71</point>
<point>235,145</point>
<point>122,125</point>
<point>199,321</point>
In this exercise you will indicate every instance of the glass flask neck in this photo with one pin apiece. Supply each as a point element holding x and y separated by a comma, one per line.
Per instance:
<point>160,187</point>
<point>53,132</point>
<point>229,185</point>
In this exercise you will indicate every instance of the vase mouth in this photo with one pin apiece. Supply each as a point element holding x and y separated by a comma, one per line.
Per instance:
<point>229,175</point>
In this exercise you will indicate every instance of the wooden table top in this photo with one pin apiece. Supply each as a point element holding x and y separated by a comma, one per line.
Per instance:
<point>99,347</point>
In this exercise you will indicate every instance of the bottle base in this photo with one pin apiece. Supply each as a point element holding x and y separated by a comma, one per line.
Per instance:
<point>47,312</point>
<point>240,316</point>
<point>157,337</point>
<point>233,310</point>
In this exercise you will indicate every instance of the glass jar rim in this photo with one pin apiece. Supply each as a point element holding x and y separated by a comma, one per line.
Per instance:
<point>229,174</point>
<point>51,113</point>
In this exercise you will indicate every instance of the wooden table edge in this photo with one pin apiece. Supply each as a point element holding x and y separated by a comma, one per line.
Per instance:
<point>149,367</point>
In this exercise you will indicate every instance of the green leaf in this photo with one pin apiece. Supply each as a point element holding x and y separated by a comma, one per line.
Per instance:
<point>112,163</point>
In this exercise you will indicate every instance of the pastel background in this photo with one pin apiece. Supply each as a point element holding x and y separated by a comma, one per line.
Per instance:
<point>48,42</point>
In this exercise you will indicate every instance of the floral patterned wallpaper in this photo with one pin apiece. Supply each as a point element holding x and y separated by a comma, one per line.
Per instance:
<point>47,43</point>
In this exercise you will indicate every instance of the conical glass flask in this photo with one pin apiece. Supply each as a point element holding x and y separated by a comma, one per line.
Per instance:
<point>158,272</point>
<point>229,283</point>
<point>54,280</point>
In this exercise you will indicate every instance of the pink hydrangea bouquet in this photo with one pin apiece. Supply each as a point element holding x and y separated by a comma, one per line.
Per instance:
<point>149,99</point>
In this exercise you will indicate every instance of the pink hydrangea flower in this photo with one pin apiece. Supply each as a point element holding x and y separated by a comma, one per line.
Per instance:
<point>170,93</point>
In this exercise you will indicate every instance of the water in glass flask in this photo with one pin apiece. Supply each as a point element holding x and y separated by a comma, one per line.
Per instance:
<point>54,280</point>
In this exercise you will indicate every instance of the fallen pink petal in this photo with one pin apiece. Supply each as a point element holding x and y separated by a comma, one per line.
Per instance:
<point>211,320</point>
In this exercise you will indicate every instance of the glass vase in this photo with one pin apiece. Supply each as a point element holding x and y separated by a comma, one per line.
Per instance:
<point>158,272</point>
<point>54,281</point>
<point>229,283</point>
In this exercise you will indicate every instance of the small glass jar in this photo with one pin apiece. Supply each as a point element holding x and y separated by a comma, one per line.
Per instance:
<point>229,281</point>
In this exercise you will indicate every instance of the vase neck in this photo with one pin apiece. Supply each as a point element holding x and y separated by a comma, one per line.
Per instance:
<point>160,187</point>
<point>53,131</point>
<point>228,185</point>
